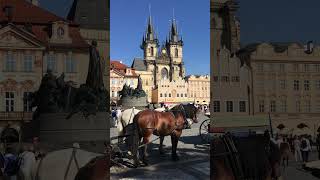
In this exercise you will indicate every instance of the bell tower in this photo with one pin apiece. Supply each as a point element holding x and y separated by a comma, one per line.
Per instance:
<point>150,43</point>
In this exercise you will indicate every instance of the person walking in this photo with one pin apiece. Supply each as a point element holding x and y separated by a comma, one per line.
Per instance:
<point>297,150</point>
<point>119,114</point>
<point>114,116</point>
<point>318,145</point>
<point>305,149</point>
<point>10,169</point>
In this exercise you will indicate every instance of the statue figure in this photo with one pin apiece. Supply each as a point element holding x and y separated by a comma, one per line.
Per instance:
<point>94,77</point>
<point>139,86</point>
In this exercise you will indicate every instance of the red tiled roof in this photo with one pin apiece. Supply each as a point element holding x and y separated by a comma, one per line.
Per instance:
<point>40,19</point>
<point>118,65</point>
<point>24,11</point>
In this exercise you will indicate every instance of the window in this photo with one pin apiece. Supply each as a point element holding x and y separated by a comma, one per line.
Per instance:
<point>176,53</point>
<point>216,106</point>
<point>282,84</point>
<point>169,94</point>
<point>9,101</point>
<point>51,63</point>
<point>296,85</point>
<point>160,94</point>
<point>296,67</point>
<point>177,94</point>
<point>215,78</point>
<point>113,81</point>
<point>306,85</point>
<point>70,64</point>
<point>181,95</point>
<point>235,79</point>
<point>308,106</point>
<point>261,106</point>
<point>260,67</point>
<point>317,67</point>
<point>225,79</point>
<point>306,68</point>
<point>298,106</point>
<point>271,67</point>
<point>164,73</point>
<point>26,103</point>
<point>318,84</point>
<point>242,106</point>
<point>165,95</point>
<point>10,62</point>
<point>282,68</point>
<point>283,105</point>
<point>272,106</point>
<point>229,106</point>
<point>151,51</point>
<point>185,95</point>
<point>28,61</point>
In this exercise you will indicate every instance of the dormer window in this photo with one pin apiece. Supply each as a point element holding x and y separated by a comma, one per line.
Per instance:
<point>60,32</point>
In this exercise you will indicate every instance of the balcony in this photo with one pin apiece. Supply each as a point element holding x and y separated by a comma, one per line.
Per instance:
<point>15,116</point>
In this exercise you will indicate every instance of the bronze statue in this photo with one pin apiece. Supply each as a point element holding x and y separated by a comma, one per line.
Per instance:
<point>94,78</point>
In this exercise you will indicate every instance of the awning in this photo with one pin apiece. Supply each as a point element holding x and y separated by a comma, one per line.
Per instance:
<point>232,123</point>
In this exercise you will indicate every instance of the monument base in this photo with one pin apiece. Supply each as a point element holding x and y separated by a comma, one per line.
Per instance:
<point>56,129</point>
<point>137,102</point>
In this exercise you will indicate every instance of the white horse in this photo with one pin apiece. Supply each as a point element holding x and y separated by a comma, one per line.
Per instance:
<point>62,164</point>
<point>126,118</point>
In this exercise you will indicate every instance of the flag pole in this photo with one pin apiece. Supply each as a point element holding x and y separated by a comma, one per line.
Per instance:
<point>270,124</point>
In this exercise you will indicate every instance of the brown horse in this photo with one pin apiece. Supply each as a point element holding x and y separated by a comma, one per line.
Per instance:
<point>257,158</point>
<point>97,169</point>
<point>162,124</point>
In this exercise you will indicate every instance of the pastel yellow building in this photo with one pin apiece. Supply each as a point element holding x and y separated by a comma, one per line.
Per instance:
<point>199,89</point>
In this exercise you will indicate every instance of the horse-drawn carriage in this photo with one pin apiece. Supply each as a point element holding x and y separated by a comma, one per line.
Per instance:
<point>136,125</point>
<point>241,148</point>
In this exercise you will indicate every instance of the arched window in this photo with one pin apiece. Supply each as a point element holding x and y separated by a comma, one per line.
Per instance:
<point>176,52</point>
<point>164,73</point>
<point>151,51</point>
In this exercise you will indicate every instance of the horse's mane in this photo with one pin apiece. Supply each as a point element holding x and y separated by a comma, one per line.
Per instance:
<point>188,109</point>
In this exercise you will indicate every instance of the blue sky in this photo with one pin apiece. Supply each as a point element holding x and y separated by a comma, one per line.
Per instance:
<point>279,20</point>
<point>129,19</point>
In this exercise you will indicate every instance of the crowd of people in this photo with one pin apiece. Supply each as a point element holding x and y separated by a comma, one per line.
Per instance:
<point>300,146</point>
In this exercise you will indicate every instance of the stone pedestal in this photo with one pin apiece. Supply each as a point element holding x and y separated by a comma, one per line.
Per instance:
<point>56,129</point>
<point>129,102</point>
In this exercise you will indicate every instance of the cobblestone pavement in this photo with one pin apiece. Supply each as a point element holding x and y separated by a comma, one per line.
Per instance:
<point>295,171</point>
<point>194,161</point>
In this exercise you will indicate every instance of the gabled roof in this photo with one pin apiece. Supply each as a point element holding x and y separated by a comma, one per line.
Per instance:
<point>139,64</point>
<point>24,11</point>
<point>40,21</point>
<point>92,14</point>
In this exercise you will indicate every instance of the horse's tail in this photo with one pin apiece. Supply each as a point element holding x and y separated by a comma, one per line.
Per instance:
<point>135,139</point>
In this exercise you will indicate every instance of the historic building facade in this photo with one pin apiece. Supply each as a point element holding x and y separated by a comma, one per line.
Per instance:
<point>286,83</point>
<point>199,89</point>
<point>165,63</point>
<point>230,84</point>
<point>120,74</point>
<point>28,49</point>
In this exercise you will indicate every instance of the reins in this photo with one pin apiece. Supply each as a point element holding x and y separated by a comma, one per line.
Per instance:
<point>73,156</point>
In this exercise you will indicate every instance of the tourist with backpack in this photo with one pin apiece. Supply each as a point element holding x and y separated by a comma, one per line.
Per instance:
<point>305,149</point>
<point>11,164</point>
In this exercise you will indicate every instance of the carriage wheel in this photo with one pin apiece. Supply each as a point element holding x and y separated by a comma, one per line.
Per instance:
<point>204,131</point>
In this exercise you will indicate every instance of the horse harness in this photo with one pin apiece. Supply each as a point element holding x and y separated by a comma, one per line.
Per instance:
<point>73,156</point>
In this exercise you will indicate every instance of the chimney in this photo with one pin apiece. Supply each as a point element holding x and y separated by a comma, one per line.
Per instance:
<point>8,11</point>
